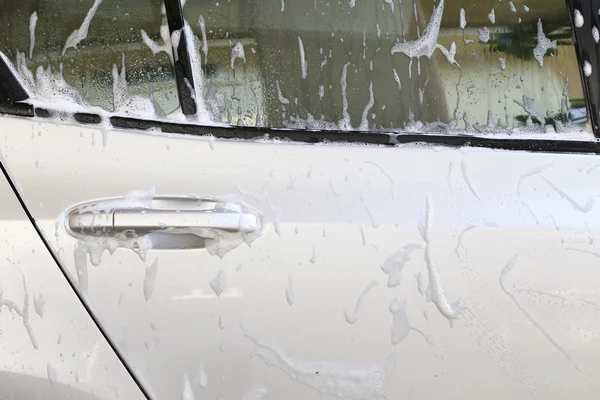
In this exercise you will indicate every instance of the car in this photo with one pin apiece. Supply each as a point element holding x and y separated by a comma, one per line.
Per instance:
<point>299,200</point>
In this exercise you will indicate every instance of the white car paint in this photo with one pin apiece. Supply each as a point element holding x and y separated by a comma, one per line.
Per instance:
<point>507,243</point>
<point>50,347</point>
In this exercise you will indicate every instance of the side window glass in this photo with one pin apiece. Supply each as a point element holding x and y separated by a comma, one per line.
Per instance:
<point>418,65</point>
<point>104,53</point>
<point>422,65</point>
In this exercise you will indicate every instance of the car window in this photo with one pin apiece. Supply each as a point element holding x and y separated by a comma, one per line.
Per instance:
<point>84,41</point>
<point>420,66</point>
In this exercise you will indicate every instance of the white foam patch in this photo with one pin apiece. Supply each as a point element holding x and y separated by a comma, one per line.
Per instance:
<point>425,45</point>
<point>129,104</point>
<point>202,26</point>
<point>203,116</point>
<point>344,123</point>
<point>256,392</point>
<point>187,393</point>
<point>578,18</point>
<point>303,66</point>
<point>492,16</point>
<point>150,279</point>
<point>543,45</point>
<point>219,283</point>
<point>587,68</point>
<point>289,291</point>
<point>484,35</point>
<point>395,263</point>
<point>435,291</point>
<point>32,24</point>
<point>353,317</point>
<point>165,46</point>
<point>38,304</point>
<point>342,380</point>
<point>81,34</point>
<point>237,51</point>
<point>23,311</point>
<point>401,326</point>
<point>51,372</point>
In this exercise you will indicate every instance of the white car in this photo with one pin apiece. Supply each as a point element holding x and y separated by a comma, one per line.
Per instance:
<point>275,199</point>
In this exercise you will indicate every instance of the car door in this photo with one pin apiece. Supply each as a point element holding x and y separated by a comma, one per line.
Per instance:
<point>408,209</point>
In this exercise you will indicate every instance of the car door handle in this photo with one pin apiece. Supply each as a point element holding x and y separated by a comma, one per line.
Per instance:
<point>145,221</point>
<point>168,215</point>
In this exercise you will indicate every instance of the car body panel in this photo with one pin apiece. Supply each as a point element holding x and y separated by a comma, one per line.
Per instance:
<point>51,348</point>
<point>511,234</point>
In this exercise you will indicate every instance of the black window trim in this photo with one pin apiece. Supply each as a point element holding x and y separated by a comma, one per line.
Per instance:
<point>12,94</point>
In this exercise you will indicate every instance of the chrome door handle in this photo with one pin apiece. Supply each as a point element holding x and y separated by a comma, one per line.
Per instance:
<point>175,215</point>
<point>145,221</point>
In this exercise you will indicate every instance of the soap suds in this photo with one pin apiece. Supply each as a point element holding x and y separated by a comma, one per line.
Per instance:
<point>202,26</point>
<point>165,46</point>
<point>344,123</point>
<point>219,242</point>
<point>256,392</point>
<point>397,79</point>
<point>282,100</point>
<point>51,373</point>
<point>237,51</point>
<point>395,263</point>
<point>289,291</point>
<point>202,115</point>
<point>32,24</point>
<point>502,279</point>
<point>468,181</point>
<point>187,393</point>
<point>202,376</point>
<point>502,63</point>
<point>425,45</point>
<point>22,312</point>
<point>342,380</point>
<point>364,122</point>
<point>484,35</point>
<point>401,326</point>
<point>512,7</point>
<point>492,16</point>
<point>584,208</point>
<point>150,279</point>
<point>352,318</point>
<point>595,34</point>
<point>587,68</point>
<point>386,174</point>
<point>463,19</point>
<point>38,304</point>
<point>435,291</point>
<point>219,283</point>
<point>302,58</point>
<point>543,45</point>
<point>578,18</point>
<point>313,256</point>
<point>81,34</point>
<point>127,104</point>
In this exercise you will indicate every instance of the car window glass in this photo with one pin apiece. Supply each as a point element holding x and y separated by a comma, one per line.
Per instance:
<point>386,65</point>
<point>85,41</point>
<point>418,65</point>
